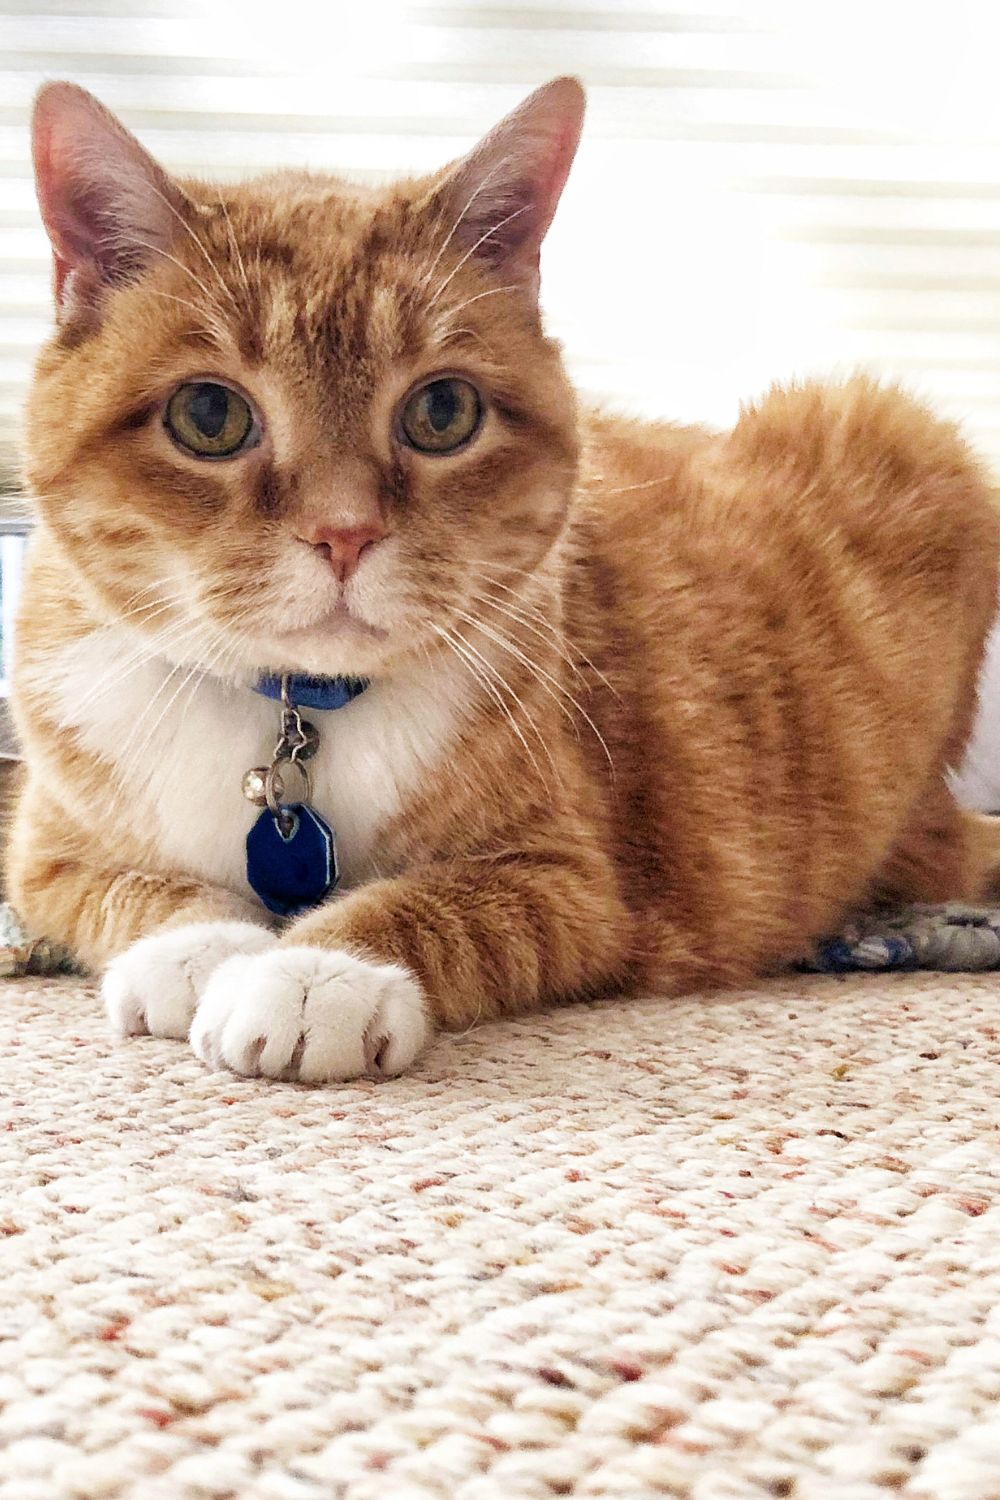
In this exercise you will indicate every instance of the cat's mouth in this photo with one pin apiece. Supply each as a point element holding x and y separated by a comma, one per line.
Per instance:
<point>338,623</point>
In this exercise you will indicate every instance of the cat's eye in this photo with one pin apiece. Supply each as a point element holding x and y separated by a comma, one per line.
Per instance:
<point>441,415</point>
<point>210,420</point>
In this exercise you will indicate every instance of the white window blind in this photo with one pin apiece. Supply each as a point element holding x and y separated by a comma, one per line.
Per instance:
<point>765,189</point>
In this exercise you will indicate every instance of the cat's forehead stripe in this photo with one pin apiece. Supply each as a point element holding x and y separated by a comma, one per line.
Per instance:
<point>332,274</point>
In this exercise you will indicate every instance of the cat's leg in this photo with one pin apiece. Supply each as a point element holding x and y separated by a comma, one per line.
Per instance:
<point>159,934</point>
<point>944,854</point>
<point>358,986</point>
<point>981,835</point>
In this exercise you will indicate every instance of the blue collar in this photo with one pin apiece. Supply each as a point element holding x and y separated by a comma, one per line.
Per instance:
<point>314,692</point>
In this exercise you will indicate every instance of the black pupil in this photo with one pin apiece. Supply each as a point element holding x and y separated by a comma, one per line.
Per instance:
<point>442,405</point>
<point>209,408</point>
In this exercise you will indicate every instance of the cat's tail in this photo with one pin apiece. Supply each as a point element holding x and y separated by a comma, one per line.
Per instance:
<point>901,485</point>
<point>886,504</point>
<point>870,443</point>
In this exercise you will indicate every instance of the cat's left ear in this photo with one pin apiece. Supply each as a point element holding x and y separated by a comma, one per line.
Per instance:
<point>503,195</point>
<point>108,207</point>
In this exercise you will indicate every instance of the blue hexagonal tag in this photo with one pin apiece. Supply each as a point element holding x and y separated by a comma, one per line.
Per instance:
<point>293,870</point>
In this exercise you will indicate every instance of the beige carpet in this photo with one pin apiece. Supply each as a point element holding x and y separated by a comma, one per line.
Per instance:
<point>740,1248</point>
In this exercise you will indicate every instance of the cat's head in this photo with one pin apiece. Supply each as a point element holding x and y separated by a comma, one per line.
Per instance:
<point>298,424</point>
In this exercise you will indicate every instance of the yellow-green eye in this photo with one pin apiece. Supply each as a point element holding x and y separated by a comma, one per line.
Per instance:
<point>441,415</point>
<point>209,419</point>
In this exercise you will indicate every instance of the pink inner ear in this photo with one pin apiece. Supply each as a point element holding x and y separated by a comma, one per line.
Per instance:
<point>104,201</point>
<point>551,189</point>
<point>78,243</point>
<point>513,179</point>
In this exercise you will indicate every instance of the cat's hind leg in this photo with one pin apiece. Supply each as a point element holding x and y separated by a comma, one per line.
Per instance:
<point>982,844</point>
<point>943,854</point>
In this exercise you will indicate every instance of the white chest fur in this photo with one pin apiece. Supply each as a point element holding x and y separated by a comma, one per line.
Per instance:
<point>181,746</point>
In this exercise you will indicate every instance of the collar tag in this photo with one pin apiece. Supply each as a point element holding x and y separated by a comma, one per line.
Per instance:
<point>291,859</point>
<point>291,850</point>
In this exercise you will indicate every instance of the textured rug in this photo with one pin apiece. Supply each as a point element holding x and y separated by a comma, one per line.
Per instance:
<point>725,1249</point>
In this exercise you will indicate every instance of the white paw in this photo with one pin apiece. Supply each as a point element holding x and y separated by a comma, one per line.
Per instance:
<point>153,987</point>
<point>312,1015</point>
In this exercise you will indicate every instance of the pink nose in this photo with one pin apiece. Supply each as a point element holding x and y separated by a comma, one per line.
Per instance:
<point>344,545</point>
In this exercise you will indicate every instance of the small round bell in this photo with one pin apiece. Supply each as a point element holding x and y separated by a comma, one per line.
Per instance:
<point>255,786</point>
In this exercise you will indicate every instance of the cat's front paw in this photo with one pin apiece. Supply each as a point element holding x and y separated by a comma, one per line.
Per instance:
<point>310,1015</point>
<point>152,989</point>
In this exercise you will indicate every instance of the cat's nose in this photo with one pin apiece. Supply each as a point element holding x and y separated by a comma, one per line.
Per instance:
<point>344,546</point>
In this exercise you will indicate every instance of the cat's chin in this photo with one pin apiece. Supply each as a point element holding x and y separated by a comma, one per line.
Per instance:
<point>338,624</point>
<point>337,643</point>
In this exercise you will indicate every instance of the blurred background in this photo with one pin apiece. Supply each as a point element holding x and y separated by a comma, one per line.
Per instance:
<point>764,188</point>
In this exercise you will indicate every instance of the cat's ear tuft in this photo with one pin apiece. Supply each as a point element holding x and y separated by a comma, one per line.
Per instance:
<point>107,206</point>
<point>504,194</point>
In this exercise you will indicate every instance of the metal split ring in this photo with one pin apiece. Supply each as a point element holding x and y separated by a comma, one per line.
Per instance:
<point>297,743</point>
<point>275,789</point>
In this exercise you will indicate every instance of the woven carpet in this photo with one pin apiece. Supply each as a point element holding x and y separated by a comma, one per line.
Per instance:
<point>723,1248</point>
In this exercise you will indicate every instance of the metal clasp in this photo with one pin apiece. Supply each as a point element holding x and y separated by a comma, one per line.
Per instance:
<point>297,743</point>
<point>299,740</point>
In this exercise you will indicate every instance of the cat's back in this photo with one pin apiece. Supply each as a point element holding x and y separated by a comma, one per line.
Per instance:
<point>867,459</point>
<point>791,618</point>
<point>822,502</point>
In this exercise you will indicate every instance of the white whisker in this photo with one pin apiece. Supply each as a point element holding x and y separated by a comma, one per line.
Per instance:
<point>499,677</point>
<point>157,250</point>
<point>483,182</point>
<point>464,653</point>
<point>537,624</point>
<point>235,244</point>
<point>147,648</point>
<point>213,326</point>
<point>540,616</point>
<point>550,684</point>
<point>472,250</point>
<point>201,669</point>
<point>144,651</point>
<point>494,291</point>
<point>646,484</point>
<point>188,229</point>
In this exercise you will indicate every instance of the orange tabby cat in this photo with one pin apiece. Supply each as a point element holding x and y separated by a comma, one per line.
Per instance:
<point>648,707</point>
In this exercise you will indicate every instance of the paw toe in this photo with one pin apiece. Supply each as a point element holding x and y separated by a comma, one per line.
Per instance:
<point>311,1016</point>
<point>153,987</point>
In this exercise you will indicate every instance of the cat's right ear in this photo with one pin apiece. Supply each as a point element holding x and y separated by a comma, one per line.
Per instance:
<point>107,206</point>
<point>502,196</point>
